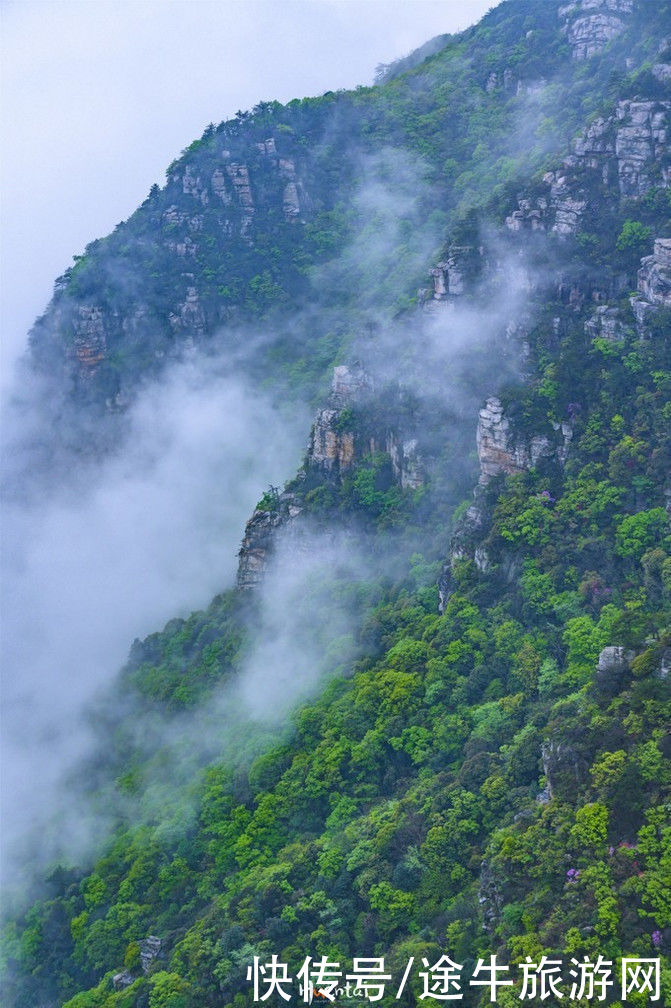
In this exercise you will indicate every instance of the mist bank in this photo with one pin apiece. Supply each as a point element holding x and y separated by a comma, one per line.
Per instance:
<point>153,534</point>
<point>108,544</point>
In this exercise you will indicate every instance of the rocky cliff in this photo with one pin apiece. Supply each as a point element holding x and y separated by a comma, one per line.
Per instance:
<point>250,208</point>
<point>344,433</point>
<point>521,725</point>
<point>500,450</point>
<point>621,156</point>
<point>590,25</point>
<point>332,441</point>
<point>259,539</point>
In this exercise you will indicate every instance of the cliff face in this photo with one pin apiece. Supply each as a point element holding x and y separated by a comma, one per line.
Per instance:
<point>653,284</point>
<point>590,25</point>
<point>619,157</point>
<point>501,451</point>
<point>343,434</point>
<point>520,724</point>
<point>259,540</point>
<point>332,446</point>
<point>255,203</point>
<point>89,341</point>
<point>654,276</point>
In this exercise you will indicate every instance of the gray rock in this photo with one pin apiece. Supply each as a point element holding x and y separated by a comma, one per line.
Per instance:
<point>330,448</point>
<point>406,462</point>
<point>641,143</point>
<point>122,980</point>
<point>239,176</point>
<point>628,149</point>
<point>193,186</point>
<point>654,276</point>
<point>561,765</point>
<point>490,898</point>
<point>605,324</point>
<point>481,558</point>
<point>89,342</point>
<point>150,949</point>
<point>290,201</point>
<point>613,663</point>
<point>499,451</point>
<point>218,184</point>
<point>590,24</point>
<point>450,276</point>
<point>191,318</point>
<point>662,72</point>
<point>530,215</point>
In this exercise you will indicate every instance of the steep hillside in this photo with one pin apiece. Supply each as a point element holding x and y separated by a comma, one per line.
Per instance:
<point>432,716</point>
<point>252,224</point>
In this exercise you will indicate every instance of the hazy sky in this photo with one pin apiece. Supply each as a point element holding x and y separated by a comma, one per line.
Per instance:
<point>99,97</point>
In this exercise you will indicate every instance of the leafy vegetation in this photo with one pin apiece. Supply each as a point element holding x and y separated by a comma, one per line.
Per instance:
<point>471,781</point>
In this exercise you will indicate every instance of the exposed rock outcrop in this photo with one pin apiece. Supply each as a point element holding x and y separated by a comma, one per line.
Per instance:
<point>218,184</point>
<point>332,444</point>
<point>291,202</point>
<point>490,898</point>
<point>530,215</point>
<point>89,340</point>
<point>331,450</point>
<point>239,176</point>
<point>465,543</point>
<point>450,277</point>
<point>612,665</point>
<point>122,980</point>
<point>256,546</point>
<point>662,71</point>
<point>591,24</point>
<point>654,276</point>
<point>563,767</point>
<point>627,151</point>
<point>191,317</point>
<point>605,324</point>
<point>653,284</point>
<point>259,540</point>
<point>184,248</point>
<point>641,145</point>
<point>500,451</point>
<point>406,462</point>
<point>664,670</point>
<point>330,447</point>
<point>193,186</point>
<point>267,147</point>
<point>505,80</point>
<point>336,445</point>
<point>150,949</point>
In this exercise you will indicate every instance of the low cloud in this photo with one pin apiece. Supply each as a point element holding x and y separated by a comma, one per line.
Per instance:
<point>154,534</point>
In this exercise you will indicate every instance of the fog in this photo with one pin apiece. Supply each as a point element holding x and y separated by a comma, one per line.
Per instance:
<point>99,98</point>
<point>150,532</point>
<point>153,535</point>
<point>153,530</point>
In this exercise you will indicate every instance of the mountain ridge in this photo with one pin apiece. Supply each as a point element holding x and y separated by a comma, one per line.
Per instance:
<point>431,718</point>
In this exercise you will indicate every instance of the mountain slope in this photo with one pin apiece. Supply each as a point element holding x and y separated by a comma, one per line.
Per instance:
<point>476,686</point>
<point>257,202</point>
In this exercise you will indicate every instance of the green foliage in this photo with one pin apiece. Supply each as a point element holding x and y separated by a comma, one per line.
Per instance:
<point>634,237</point>
<point>465,781</point>
<point>636,533</point>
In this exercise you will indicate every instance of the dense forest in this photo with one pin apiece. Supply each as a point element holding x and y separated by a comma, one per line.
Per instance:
<point>431,718</point>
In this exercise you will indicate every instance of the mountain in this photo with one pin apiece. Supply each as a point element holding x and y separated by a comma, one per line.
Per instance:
<point>429,718</point>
